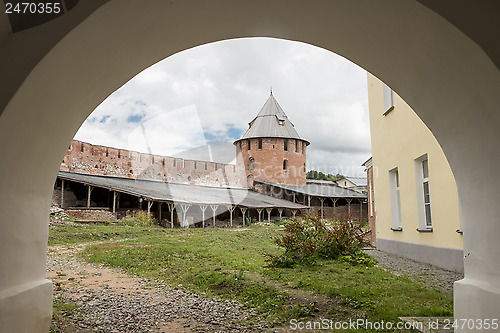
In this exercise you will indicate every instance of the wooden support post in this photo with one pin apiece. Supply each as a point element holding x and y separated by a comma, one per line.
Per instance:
<point>259,210</point>
<point>280,210</point>
<point>294,211</point>
<point>185,208</point>
<point>334,201</point>
<point>114,202</point>
<point>243,211</point>
<point>322,200</point>
<point>349,208</point>
<point>360,210</point>
<point>293,197</point>
<point>269,210</point>
<point>159,212</point>
<point>90,188</point>
<point>62,193</point>
<point>231,209</point>
<point>203,208</point>
<point>214,209</point>
<point>150,204</point>
<point>309,201</point>
<point>171,208</point>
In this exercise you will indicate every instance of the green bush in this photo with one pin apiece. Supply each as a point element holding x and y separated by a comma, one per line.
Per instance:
<point>138,219</point>
<point>359,259</point>
<point>306,239</point>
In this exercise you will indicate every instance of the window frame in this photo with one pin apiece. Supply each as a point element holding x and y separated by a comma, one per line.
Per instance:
<point>395,193</point>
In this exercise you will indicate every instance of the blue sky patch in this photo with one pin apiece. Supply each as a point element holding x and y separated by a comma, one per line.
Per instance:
<point>135,118</point>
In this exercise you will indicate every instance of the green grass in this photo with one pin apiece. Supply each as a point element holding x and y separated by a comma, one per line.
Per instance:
<point>228,263</point>
<point>61,311</point>
<point>61,234</point>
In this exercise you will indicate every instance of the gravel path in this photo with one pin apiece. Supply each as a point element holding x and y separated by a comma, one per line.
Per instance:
<point>431,276</point>
<point>110,301</point>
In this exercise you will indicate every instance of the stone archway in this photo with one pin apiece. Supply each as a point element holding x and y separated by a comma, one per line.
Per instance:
<point>442,73</point>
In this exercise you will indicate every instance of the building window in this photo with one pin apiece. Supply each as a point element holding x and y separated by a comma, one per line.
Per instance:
<point>81,148</point>
<point>251,164</point>
<point>107,152</point>
<point>285,164</point>
<point>285,144</point>
<point>119,154</point>
<point>249,144</point>
<point>297,146</point>
<point>388,99</point>
<point>397,221</point>
<point>303,148</point>
<point>427,195</point>
<point>260,143</point>
<point>423,192</point>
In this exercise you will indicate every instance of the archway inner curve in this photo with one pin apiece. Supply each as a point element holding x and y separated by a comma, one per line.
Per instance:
<point>440,72</point>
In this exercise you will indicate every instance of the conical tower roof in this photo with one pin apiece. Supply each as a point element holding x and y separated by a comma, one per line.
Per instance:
<point>271,122</point>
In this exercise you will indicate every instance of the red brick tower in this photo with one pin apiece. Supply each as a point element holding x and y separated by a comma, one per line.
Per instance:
<point>271,150</point>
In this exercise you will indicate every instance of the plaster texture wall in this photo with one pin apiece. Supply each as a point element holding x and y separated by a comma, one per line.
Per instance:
<point>398,139</point>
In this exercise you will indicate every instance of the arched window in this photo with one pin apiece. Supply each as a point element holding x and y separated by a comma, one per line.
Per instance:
<point>260,143</point>
<point>285,164</point>
<point>285,144</point>
<point>252,163</point>
<point>249,145</point>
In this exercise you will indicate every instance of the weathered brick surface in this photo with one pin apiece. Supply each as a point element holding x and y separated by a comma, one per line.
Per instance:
<point>268,160</point>
<point>86,158</point>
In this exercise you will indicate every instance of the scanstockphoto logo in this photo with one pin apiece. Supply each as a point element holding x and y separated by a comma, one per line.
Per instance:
<point>179,157</point>
<point>356,324</point>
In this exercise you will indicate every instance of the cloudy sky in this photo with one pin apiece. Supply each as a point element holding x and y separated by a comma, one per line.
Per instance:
<point>209,94</point>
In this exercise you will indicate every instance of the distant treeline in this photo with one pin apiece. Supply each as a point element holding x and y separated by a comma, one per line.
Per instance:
<point>313,174</point>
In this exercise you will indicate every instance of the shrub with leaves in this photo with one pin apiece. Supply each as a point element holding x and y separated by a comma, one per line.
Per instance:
<point>138,219</point>
<point>305,239</point>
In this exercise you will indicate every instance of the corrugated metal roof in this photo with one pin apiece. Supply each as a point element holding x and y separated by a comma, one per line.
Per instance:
<point>271,122</point>
<point>358,181</point>
<point>180,193</point>
<point>319,190</point>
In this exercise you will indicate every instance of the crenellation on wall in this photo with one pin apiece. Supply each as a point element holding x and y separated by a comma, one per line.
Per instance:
<point>83,157</point>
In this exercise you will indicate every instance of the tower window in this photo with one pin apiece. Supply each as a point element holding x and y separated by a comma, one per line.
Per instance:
<point>285,145</point>
<point>297,146</point>
<point>251,164</point>
<point>285,164</point>
<point>249,144</point>
<point>260,143</point>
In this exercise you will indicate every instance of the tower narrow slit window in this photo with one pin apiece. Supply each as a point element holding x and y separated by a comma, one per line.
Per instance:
<point>285,164</point>
<point>260,143</point>
<point>285,144</point>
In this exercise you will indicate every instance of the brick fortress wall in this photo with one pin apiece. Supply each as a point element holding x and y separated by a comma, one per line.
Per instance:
<point>82,157</point>
<point>268,160</point>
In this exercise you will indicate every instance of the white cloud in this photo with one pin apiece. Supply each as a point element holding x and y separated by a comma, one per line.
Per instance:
<point>227,83</point>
